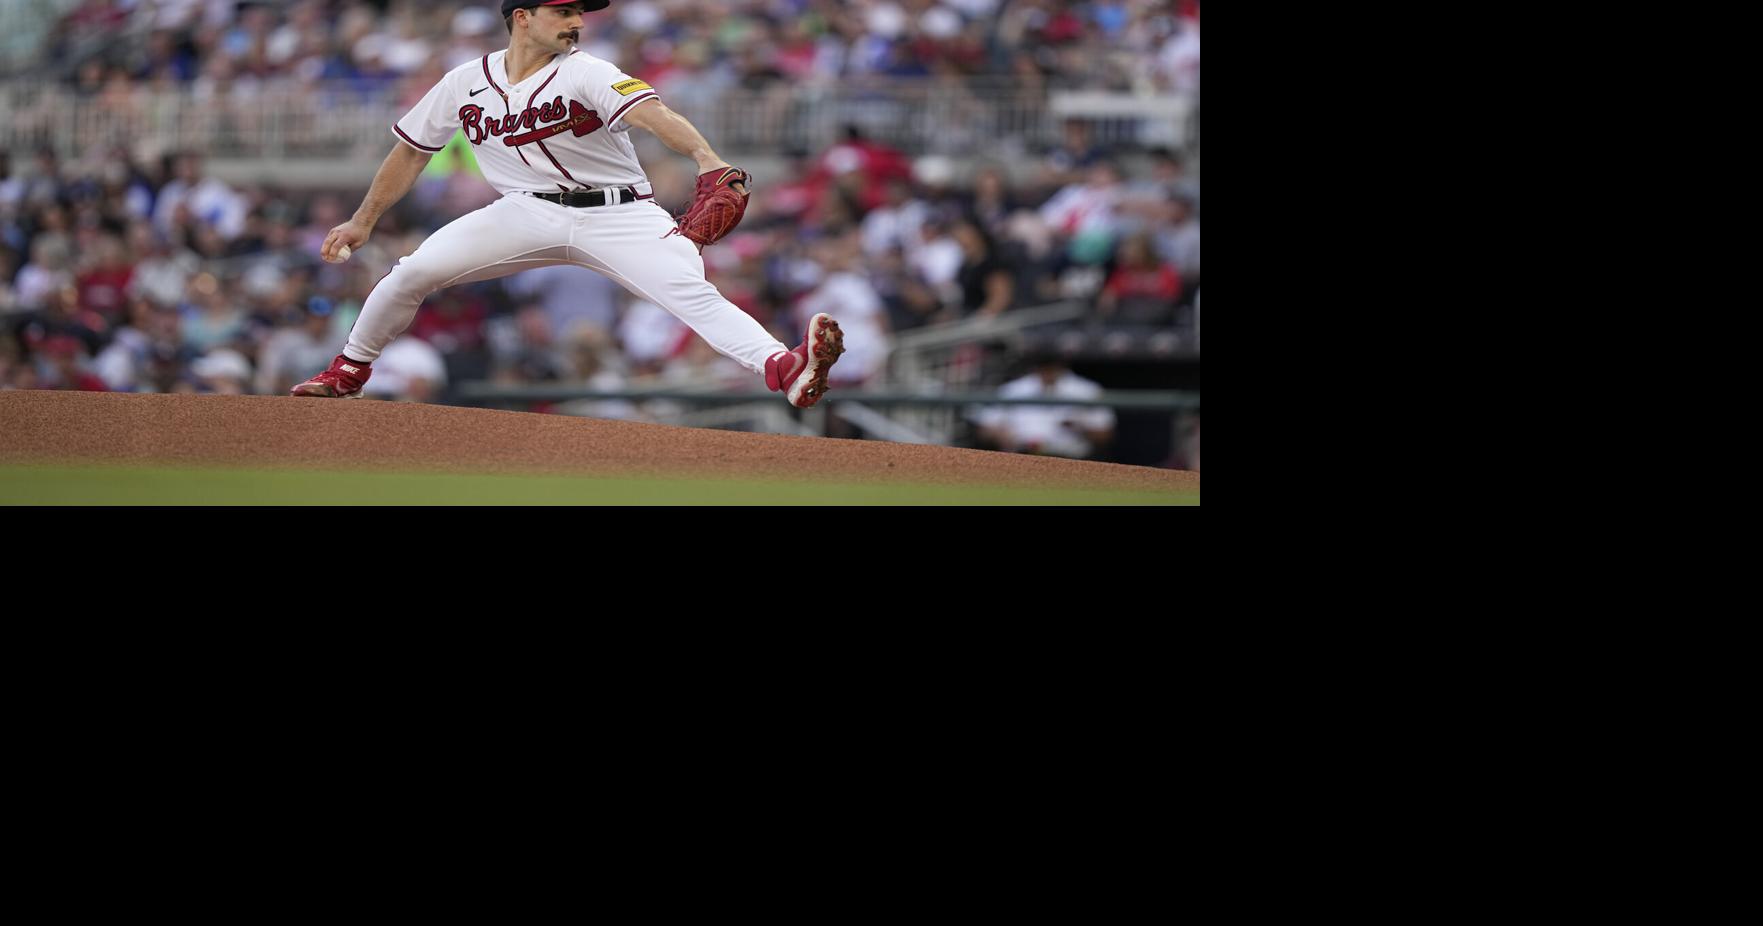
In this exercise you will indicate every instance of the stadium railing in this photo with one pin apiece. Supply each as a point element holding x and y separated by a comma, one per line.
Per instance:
<point>338,123</point>
<point>935,376</point>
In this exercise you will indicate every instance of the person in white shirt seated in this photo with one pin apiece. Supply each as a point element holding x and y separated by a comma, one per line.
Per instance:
<point>1075,431</point>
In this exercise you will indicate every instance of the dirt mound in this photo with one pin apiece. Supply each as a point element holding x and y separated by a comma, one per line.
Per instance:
<point>274,431</point>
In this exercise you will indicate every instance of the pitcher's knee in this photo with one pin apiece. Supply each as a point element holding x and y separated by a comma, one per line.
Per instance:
<point>414,279</point>
<point>698,298</point>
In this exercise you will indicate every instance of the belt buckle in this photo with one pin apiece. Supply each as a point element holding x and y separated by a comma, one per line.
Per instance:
<point>608,196</point>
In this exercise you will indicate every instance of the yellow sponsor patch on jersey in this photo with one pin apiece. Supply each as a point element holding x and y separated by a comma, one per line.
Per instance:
<point>629,87</point>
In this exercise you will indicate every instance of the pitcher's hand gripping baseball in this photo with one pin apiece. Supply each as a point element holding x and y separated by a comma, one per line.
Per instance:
<point>720,202</point>
<point>343,241</point>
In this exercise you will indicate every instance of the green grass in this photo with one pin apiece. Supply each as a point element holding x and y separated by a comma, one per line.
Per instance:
<point>38,485</point>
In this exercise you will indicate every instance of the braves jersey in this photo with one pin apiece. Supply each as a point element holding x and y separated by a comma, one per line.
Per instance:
<point>560,129</point>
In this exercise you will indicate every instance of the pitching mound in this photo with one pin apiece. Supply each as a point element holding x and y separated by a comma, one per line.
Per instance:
<point>51,443</point>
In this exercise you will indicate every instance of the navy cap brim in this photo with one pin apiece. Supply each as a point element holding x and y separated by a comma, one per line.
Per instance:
<point>588,6</point>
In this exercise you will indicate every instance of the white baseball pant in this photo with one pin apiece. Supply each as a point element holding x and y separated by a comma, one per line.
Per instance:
<point>628,243</point>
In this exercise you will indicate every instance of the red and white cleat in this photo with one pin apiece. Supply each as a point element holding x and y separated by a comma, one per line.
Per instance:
<point>342,381</point>
<point>801,373</point>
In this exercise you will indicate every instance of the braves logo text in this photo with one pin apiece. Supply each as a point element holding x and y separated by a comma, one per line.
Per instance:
<point>580,120</point>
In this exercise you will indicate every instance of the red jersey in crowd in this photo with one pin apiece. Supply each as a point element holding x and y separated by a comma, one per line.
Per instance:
<point>1159,282</point>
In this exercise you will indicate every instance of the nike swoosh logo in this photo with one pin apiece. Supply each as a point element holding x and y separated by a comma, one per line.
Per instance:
<point>477,91</point>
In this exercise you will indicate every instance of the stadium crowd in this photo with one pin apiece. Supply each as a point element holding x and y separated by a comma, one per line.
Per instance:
<point>227,45</point>
<point>129,274</point>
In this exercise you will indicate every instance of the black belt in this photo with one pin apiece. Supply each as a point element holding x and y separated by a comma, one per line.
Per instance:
<point>579,198</point>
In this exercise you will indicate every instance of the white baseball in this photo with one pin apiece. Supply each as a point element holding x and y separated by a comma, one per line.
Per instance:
<point>343,253</point>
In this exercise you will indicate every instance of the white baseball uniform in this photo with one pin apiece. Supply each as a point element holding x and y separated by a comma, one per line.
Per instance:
<point>559,130</point>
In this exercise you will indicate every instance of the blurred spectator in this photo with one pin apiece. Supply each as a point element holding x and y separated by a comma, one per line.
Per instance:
<point>992,202</point>
<point>650,335</point>
<point>8,296</point>
<point>103,285</point>
<point>207,200</point>
<point>698,365</point>
<point>12,374</point>
<point>848,296</point>
<point>987,287</point>
<point>66,367</point>
<point>289,351</point>
<point>162,273</point>
<point>327,212</point>
<point>473,33</point>
<point>212,316</point>
<point>937,175</point>
<point>523,349</point>
<point>408,371</point>
<point>164,54</point>
<point>793,195</point>
<point>568,295</point>
<point>41,186</point>
<point>937,261</point>
<point>1074,431</point>
<point>1177,64</point>
<point>596,362</point>
<point>864,167</point>
<point>47,273</point>
<point>1075,154</point>
<point>60,317</point>
<point>145,354</point>
<point>453,322</point>
<point>1169,179</point>
<point>222,372</point>
<point>11,186</point>
<point>1083,214</point>
<point>125,188</point>
<point>1178,241</point>
<point>897,223</point>
<point>1142,290</point>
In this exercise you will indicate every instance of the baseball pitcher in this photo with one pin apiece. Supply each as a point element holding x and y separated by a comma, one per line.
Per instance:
<point>550,126</point>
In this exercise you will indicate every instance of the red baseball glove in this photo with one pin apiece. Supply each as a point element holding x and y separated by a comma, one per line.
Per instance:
<point>720,202</point>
